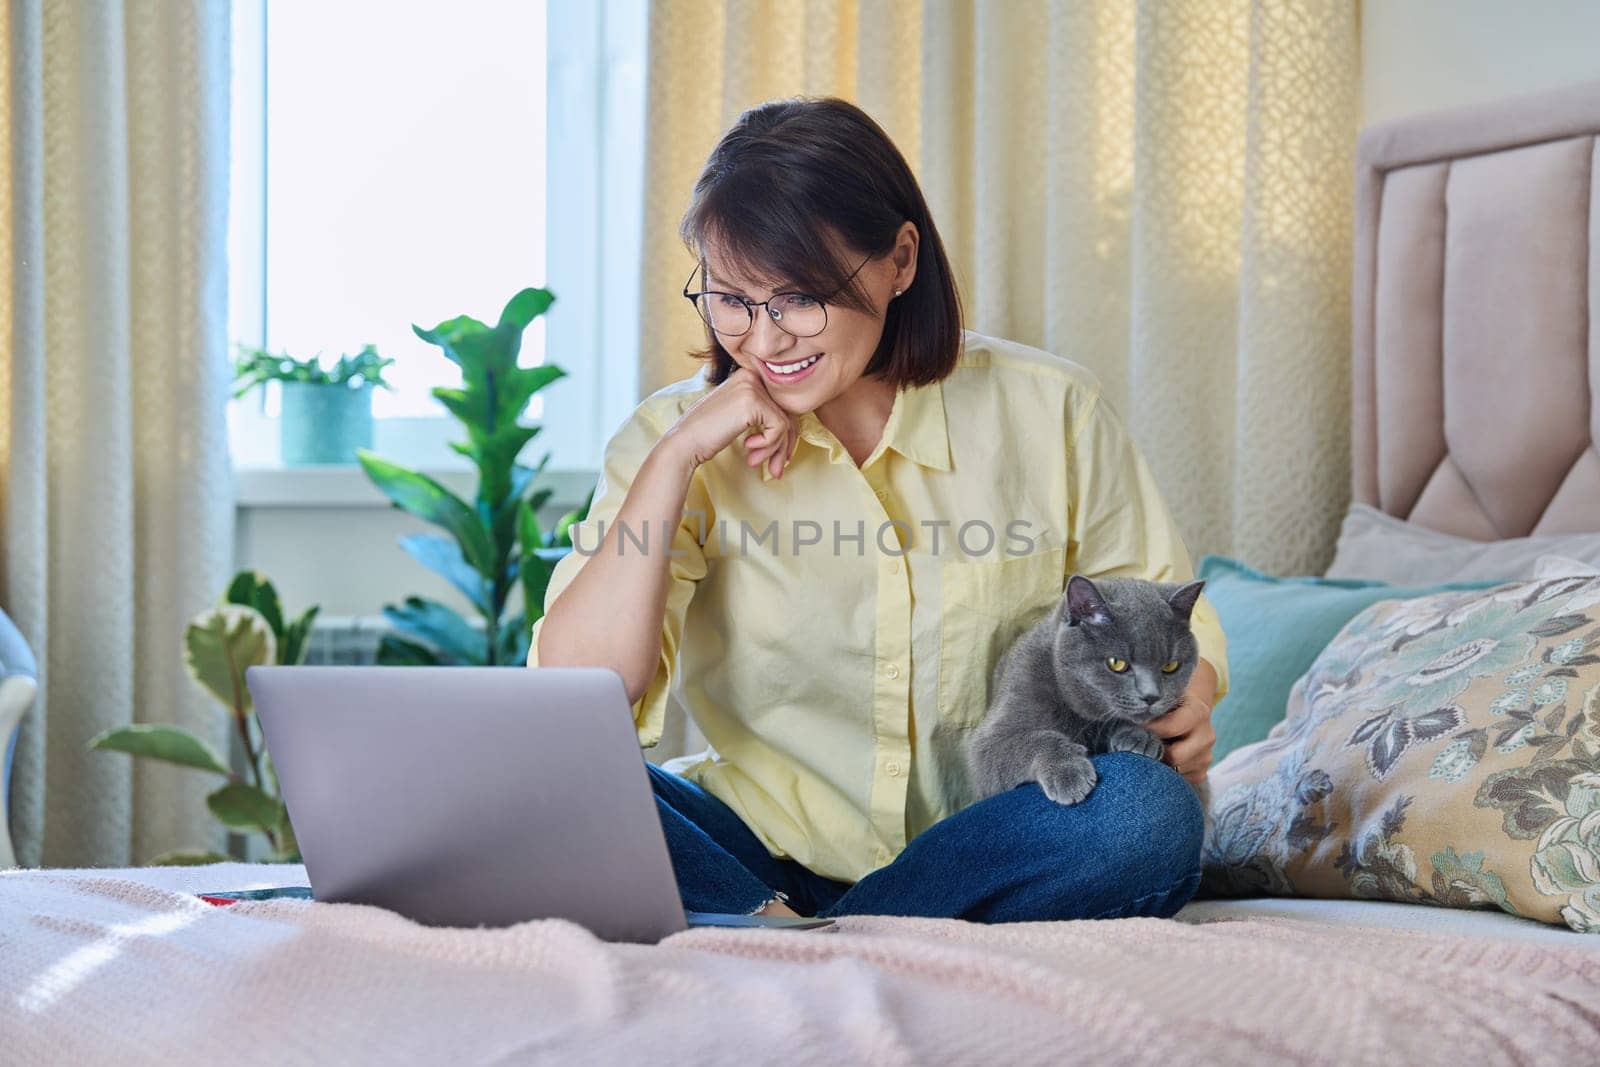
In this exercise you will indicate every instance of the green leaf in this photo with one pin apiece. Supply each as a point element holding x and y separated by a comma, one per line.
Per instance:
<point>464,340</point>
<point>244,807</point>
<point>269,773</point>
<point>398,652</point>
<point>288,850</point>
<point>526,306</point>
<point>443,557</point>
<point>252,589</point>
<point>529,535</point>
<point>519,388</point>
<point>220,645</point>
<point>295,639</point>
<point>170,744</point>
<point>522,477</point>
<point>432,502</point>
<point>440,628</point>
<point>539,498</point>
<point>454,398</point>
<point>507,515</point>
<point>242,588</point>
<point>474,351</point>
<point>496,460</point>
<point>495,437</point>
<point>450,330</point>
<point>513,640</point>
<point>189,857</point>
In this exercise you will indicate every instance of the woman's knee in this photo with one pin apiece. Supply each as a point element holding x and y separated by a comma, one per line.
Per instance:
<point>1140,829</point>
<point>1139,808</point>
<point>1131,847</point>
<point>1151,816</point>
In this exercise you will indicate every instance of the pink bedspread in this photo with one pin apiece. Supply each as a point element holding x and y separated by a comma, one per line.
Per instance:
<point>96,966</point>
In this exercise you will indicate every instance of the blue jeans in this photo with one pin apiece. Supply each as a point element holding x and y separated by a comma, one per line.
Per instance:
<point>1131,847</point>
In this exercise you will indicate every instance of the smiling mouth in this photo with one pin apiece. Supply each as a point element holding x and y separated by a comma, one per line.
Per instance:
<point>790,368</point>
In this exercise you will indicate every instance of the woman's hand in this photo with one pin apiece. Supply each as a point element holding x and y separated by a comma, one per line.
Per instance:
<point>739,408</point>
<point>1187,729</point>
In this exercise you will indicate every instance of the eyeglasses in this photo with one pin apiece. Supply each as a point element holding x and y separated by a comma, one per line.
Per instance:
<point>800,314</point>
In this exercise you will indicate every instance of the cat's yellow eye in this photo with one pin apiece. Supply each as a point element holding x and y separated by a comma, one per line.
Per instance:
<point>1169,666</point>
<point>1118,665</point>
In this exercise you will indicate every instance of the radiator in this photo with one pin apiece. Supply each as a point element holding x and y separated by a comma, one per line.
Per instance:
<point>345,639</point>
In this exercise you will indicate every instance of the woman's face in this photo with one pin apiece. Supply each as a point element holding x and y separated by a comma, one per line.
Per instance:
<point>804,373</point>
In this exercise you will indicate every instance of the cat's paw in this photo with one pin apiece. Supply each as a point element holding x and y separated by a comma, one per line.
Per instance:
<point>1069,781</point>
<point>1136,739</point>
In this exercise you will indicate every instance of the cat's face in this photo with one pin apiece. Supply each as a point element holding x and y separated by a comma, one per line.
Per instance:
<point>1123,646</point>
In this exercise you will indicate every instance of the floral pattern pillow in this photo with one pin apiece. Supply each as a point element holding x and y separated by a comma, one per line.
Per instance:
<point>1443,750</point>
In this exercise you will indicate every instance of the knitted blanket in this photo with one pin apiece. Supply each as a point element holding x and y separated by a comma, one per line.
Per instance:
<point>125,966</point>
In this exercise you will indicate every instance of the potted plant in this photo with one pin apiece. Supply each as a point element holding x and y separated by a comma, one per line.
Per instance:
<point>494,544</point>
<point>246,629</point>
<point>327,412</point>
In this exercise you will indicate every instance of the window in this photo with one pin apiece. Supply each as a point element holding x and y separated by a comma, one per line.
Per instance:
<point>390,168</point>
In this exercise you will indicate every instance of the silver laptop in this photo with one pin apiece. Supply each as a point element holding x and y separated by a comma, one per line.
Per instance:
<point>475,796</point>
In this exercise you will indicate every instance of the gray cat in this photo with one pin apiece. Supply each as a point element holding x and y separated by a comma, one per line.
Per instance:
<point>1109,657</point>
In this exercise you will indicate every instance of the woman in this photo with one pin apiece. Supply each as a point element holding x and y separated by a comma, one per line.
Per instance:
<point>819,547</point>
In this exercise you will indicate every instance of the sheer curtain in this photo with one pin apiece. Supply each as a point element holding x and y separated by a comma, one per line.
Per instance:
<point>116,502</point>
<point>1160,190</point>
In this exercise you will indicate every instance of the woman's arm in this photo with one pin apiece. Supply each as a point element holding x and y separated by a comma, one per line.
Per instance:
<point>615,610</point>
<point>610,614</point>
<point>1203,684</point>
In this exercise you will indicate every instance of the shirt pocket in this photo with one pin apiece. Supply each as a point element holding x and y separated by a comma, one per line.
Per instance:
<point>986,605</point>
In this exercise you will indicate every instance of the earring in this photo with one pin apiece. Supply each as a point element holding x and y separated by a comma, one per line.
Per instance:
<point>897,292</point>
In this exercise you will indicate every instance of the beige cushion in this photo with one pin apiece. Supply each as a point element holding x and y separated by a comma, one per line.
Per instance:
<point>1377,546</point>
<point>1443,750</point>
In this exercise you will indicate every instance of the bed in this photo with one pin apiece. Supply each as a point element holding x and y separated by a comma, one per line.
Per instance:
<point>127,964</point>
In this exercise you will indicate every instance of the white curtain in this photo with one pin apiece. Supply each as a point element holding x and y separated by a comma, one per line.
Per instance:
<point>116,502</point>
<point>1160,190</point>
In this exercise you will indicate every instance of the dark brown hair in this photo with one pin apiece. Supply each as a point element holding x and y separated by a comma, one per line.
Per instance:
<point>791,174</point>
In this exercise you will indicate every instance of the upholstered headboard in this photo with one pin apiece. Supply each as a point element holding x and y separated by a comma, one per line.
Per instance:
<point>1476,392</point>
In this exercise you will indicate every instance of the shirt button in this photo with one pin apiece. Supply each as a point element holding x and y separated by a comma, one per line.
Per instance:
<point>894,568</point>
<point>882,494</point>
<point>892,671</point>
<point>893,768</point>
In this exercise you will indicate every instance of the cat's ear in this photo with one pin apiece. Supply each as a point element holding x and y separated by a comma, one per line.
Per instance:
<point>1182,599</point>
<point>1085,604</point>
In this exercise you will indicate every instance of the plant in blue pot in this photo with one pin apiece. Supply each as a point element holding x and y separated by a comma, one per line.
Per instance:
<point>327,411</point>
<point>494,545</point>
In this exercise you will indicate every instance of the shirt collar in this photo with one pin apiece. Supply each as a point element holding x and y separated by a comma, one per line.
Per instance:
<point>916,429</point>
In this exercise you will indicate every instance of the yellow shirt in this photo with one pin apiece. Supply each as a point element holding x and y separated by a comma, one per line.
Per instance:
<point>837,674</point>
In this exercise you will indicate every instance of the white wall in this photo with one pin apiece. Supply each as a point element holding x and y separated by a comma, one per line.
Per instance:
<point>1422,55</point>
<point>328,537</point>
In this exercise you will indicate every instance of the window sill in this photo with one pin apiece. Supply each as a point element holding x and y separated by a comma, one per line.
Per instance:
<point>346,485</point>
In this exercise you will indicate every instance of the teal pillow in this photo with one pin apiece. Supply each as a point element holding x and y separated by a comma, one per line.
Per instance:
<point>1276,628</point>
